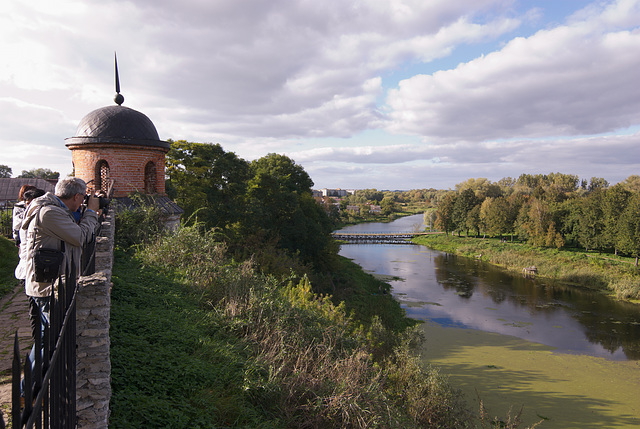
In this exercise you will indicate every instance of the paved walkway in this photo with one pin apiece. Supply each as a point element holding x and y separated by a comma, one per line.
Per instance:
<point>14,316</point>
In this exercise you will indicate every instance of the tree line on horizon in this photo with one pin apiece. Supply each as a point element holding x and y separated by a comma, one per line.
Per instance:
<point>34,173</point>
<point>547,210</point>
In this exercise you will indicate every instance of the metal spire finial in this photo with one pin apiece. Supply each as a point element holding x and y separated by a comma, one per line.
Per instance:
<point>119,99</point>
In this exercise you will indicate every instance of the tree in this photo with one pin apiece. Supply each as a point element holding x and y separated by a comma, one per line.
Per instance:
<point>481,187</point>
<point>515,202</point>
<point>387,206</point>
<point>290,175</point>
<point>430,217</point>
<point>495,214</point>
<point>465,201</point>
<point>281,207</point>
<point>631,183</point>
<point>591,222</point>
<point>474,221</point>
<point>507,184</point>
<point>444,213</point>
<point>553,238</point>
<point>613,205</point>
<point>534,220</point>
<point>40,173</point>
<point>370,195</point>
<point>203,178</point>
<point>5,171</point>
<point>571,210</point>
<point>528,182</point>
<point>629,231</point>
<point>563,182</point>
<point>598,183</point>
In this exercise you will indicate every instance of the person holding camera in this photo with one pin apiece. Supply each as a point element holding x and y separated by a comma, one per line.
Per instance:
<point>54,239</point>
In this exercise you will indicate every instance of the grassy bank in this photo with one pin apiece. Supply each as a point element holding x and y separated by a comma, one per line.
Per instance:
<point>8,262</point>
<point>199,340</point>
<point>611,274</point>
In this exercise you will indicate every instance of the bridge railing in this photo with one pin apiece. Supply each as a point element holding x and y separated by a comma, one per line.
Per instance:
<point>390,234</point>
<point>382,237</point>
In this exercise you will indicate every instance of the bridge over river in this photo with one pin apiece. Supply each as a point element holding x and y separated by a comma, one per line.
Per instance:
<point>379,237</point>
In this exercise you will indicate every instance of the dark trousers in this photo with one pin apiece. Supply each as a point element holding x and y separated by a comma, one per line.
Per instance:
<point>38,305</point>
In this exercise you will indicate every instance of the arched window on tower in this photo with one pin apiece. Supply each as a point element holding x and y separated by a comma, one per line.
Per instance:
<point>150,178</point>
<point>101,180</point>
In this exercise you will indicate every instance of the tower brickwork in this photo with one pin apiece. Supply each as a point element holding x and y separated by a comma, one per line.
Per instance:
<point>134,169</point>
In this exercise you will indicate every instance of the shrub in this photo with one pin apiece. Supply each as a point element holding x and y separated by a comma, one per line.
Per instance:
<point>137,223</point>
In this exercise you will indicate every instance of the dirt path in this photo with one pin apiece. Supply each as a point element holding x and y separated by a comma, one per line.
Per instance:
<point>14,316</point>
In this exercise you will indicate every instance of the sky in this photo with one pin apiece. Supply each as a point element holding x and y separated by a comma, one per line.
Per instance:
<point>384,94</point>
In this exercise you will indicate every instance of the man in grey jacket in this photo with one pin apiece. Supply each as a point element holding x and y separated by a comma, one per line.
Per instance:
<point>48,222</point>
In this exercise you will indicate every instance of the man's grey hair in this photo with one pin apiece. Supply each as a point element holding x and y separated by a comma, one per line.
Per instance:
<point>69,187</point>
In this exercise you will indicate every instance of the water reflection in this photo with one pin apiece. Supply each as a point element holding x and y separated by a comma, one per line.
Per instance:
<point>464,292</point>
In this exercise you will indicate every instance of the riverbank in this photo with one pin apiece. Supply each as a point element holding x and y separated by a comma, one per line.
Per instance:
<point>241,348</point>
<point>614,275</point>
<point>561,390</point>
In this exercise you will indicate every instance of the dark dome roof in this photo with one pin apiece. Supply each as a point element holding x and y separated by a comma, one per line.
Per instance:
<point>117,125</point>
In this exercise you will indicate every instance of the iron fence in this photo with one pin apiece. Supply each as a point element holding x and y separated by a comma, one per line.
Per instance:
<point>48,397</point>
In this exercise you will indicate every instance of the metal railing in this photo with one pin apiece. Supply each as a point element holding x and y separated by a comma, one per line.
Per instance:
<point>49,382</point>
<point>379,237</point>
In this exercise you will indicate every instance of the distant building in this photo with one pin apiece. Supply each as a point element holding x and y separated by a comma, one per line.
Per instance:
<point>334,192</point>
<point>10,187</point>
<point>354,209</point>
<point>375,209</point>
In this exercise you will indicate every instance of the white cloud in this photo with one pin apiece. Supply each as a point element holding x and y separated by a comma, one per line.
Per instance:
<point>575,79</point>
<point>309,79</point>
<point>613,157</point>
<point>265,60</point>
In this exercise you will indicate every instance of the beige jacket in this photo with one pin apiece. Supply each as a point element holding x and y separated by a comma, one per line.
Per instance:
<point>48,222</point>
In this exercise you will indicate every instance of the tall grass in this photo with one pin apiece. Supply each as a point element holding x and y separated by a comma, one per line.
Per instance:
<point>309,363</point>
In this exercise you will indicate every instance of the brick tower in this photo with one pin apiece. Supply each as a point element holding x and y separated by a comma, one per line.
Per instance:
<point>119,143</point>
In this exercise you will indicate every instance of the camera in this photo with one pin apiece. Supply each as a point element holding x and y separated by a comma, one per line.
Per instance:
<point>103,201</point>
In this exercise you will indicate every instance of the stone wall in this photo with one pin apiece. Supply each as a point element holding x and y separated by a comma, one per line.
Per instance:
<point>93,311</point>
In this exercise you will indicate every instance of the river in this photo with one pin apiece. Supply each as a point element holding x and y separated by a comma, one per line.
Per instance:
<point>471,307</point>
